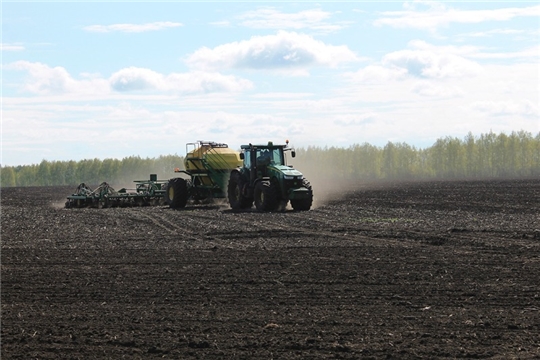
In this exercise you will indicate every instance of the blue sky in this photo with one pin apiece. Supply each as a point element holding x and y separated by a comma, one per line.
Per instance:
<point>108,80</point>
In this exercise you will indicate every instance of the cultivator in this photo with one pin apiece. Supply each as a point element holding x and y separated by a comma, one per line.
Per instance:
<point>146,192</point>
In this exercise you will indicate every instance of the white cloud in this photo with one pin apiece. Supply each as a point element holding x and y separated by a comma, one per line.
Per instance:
<point>510,107</point>
<point>430,61</point>
<point>224,23</point>
<point>132,28</point>
<point>134,78</point>
<point>45,80</point>
<point>421,60</point>
<point>285,50</point>
<point>502,97</point>
<point>373,74</point>
<point>438,14</point>
<point>532,54</point>
<point>430,89</point>
<point>361,119</point>
<point>282,95</point>
<point>494,32</point>
<point>464,50</point>
<point>269,18</point>
<point>11,47</point>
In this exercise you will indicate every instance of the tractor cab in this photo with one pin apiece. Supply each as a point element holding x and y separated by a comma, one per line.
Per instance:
<point>257,158</point>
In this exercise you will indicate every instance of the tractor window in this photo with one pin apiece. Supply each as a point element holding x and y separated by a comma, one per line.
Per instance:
<point>277,156</point>
<point>247,160</point>
<point>270,157</point>
<point>264,157</point>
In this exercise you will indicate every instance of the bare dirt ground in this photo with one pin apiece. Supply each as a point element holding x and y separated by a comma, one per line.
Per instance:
<point>417,270</point>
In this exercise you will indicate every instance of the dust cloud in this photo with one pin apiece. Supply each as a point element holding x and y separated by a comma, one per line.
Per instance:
<point>58,204</point>
<point>326,185</point>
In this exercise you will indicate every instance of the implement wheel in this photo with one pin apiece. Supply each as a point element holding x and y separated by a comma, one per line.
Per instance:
<point>265,194</point>
<point>177,193</point>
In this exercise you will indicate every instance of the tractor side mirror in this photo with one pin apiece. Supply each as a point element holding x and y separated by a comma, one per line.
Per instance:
<point>293,153</point>
<point>241,156</point>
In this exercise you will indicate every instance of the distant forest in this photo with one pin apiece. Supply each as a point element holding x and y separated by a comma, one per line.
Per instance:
<point>486,156</point>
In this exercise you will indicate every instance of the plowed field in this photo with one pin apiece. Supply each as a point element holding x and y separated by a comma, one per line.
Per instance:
<point>410,270</point>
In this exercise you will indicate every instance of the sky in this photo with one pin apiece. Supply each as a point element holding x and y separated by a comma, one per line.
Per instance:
<point>85,80</point>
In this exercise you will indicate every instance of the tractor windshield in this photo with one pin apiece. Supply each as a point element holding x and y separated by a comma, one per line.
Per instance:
<point>277,157</point>
<point>272,156</point>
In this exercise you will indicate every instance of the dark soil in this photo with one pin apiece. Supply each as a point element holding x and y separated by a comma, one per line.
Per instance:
<point>417,270</point>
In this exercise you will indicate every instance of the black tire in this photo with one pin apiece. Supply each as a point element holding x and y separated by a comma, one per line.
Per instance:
<point>303,204</point>
<point>265,194</point>
<point>166,200</point>
<point>234,193</point>
<point>177,193</point>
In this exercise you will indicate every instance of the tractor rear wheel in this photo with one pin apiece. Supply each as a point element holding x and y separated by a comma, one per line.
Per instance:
<point>177,193</point>
<point>234,193</point>
<point>266,196</point>
<point>303,204</point>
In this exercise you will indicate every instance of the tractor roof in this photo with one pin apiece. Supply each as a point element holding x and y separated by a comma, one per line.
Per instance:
<point>270,145</point>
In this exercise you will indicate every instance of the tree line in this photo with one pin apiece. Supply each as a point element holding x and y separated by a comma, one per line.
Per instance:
<point>90,171</point>
<point>486,156</point>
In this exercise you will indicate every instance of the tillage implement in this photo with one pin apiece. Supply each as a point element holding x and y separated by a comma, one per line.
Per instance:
<point>258,174</point>
<point>146,192</point>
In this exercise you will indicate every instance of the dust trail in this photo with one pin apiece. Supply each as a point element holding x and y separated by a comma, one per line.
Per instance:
<point>326,183</point>
<point>331,183</point>
<point>326,190</point>
<point>60,204</point>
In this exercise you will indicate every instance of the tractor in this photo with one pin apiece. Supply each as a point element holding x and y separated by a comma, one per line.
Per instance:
<point>266,179</point>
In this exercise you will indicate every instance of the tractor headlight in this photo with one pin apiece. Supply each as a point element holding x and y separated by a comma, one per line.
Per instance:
<point>292,177</point>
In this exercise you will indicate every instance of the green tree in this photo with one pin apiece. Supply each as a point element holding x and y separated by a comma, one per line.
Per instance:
<point>58,172</point>
<point>26,175</point>
<point>366,161</point>
<point>389,166</point>
<point>44,174</point>
<point>109,170</point>
<point>70,176</point>
<point>486,154</point>
<point>7,177</point>
<point>471,155</point>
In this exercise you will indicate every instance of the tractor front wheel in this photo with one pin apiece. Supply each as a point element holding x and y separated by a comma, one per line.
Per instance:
<point>237,200</point>
<point>265,194</point>
<point>303,204</point>
<point>177,193</point>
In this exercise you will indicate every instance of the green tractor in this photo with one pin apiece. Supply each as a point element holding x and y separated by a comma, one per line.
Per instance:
<point>266,180</point>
